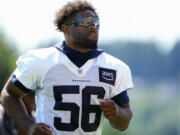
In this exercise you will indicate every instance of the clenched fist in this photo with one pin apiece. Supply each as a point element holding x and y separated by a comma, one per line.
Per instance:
<point>109,108</point>
<point>42,129</point>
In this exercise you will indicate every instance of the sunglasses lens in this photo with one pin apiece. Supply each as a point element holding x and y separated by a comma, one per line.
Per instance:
<point>89,21</point>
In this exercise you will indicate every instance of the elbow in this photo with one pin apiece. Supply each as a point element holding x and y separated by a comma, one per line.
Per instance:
<point>126,123</point>
<point>123,128</point>
<point>4,96</point>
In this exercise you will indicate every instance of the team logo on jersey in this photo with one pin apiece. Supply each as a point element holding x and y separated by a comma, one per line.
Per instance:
<point>107,75</point>
<point>80,71</point>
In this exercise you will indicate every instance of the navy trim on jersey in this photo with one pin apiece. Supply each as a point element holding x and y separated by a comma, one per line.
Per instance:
<point>79,58</point>
<point>18,84</point>
<point>58,49</point>
<point>121,98</point>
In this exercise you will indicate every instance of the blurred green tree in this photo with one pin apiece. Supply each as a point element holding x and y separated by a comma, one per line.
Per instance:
<point>175,64</point>
<point>8,56</point>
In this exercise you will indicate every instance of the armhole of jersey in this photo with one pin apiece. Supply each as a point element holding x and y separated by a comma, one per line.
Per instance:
<point>121,98</point>
<point>18,84</point>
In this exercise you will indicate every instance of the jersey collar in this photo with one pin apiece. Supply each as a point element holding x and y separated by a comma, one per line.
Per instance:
<point>89,59</point>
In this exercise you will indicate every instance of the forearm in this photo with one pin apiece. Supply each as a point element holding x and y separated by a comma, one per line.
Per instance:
<point>16,109</point>
<point>121,122</point>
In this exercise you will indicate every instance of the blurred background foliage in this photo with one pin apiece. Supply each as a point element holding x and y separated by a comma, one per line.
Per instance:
<point>8,56</point>
<point>155,99</point>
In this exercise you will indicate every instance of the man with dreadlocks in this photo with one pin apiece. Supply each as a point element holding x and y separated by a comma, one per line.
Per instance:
<point>76,85</point>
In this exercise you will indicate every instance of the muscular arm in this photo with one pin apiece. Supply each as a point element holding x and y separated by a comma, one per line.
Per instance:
<point>121,122</point>
<point>119,117</point>
<point>11,98</point>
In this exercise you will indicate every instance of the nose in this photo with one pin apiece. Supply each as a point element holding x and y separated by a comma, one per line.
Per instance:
<point>94,27</point>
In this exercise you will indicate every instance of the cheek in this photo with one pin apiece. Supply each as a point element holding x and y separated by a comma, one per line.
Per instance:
<point>79,34</point>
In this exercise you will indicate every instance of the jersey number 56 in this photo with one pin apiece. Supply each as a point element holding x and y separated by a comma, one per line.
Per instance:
<point>87,108</point>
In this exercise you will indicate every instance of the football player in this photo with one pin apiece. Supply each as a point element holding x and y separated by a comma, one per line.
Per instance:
<point>76,85</point>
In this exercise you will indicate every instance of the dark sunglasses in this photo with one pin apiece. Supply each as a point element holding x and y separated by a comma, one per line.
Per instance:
<point>86,22</point>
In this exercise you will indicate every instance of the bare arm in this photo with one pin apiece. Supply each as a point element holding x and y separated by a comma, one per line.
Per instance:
<point>11,98</point>
<point>123,118</point>
<point>119,117</point>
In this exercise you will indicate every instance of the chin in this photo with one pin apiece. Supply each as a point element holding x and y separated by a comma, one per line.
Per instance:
<point>87,43</point>
<point>91,44</point>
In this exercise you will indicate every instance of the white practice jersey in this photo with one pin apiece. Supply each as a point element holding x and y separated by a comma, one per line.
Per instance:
<point>67,97</point>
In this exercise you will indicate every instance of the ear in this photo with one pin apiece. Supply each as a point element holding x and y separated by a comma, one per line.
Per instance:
<point>64,28</point>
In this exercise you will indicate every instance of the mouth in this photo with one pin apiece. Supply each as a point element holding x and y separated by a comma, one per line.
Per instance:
<point>93,35</point>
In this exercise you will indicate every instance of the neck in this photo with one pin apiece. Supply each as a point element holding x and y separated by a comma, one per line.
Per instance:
<point>76,47</point>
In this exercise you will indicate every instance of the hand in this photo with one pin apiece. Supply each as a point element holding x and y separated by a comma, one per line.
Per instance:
<point>109,108</point>
<point>42,129</point>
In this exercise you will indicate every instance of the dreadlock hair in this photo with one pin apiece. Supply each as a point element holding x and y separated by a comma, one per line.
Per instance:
<point>69,10</point>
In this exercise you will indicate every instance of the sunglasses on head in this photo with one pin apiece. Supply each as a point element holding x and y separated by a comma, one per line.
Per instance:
<point>86,22</point>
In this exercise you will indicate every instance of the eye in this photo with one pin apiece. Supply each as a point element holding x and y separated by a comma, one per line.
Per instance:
<point>88,23</point>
